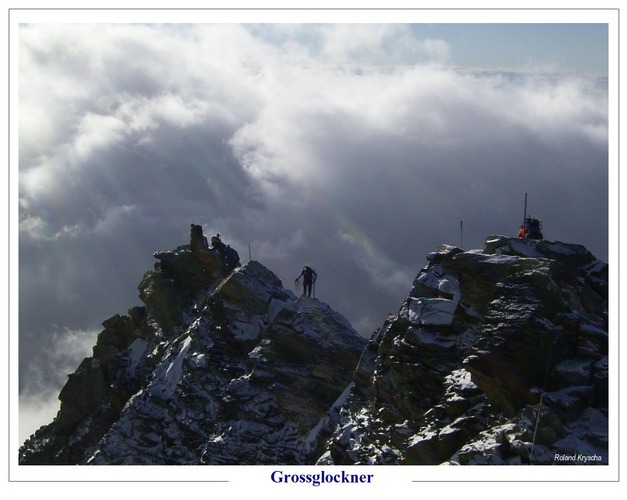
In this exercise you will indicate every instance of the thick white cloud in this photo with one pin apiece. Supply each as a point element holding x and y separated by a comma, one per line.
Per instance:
<point>350,147</point>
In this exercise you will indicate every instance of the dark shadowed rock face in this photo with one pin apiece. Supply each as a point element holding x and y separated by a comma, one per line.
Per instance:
<point>496,356</point>
<point>217,368</point>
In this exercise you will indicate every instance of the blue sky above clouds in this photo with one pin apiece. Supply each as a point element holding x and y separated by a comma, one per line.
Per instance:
<point>357,148</point>
<point>576,48</point>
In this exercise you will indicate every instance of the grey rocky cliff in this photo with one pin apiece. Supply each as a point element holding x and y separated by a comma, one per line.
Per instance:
<point>218,368</point>
<point>497,356</point>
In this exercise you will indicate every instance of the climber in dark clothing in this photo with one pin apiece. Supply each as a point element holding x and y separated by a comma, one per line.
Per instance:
<point>531,229</point>
<point>216,243</point>
<point>229,256</point>
<point>309,278</point>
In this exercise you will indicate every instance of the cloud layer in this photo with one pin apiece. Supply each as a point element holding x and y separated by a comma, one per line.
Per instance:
<point>350,147</point>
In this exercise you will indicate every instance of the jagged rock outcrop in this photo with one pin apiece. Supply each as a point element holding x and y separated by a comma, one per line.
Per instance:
<point>496,357</point>
<point>217,367</point>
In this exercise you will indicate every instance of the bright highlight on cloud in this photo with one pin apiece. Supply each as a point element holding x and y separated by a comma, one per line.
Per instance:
<point>354,148</point>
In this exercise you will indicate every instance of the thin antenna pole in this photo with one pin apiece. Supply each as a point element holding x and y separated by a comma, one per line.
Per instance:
<point>525,214</point>
<point>250,257</point>
<point>461,234</point>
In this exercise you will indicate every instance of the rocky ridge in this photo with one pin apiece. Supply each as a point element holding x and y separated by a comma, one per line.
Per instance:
<point>497,356</point>
<point>218,367</point>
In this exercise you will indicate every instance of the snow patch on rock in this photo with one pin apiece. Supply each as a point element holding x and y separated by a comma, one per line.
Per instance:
<point>168,374</point>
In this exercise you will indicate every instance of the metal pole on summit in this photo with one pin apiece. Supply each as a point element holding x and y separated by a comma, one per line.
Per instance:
<point>461,234</point>
<point>525,214</point>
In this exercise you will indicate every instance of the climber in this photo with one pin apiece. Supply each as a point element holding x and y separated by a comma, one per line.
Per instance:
<point>216,243</point>
<point>531,229</point>
<point>309,279</point>
<point>230,257</point>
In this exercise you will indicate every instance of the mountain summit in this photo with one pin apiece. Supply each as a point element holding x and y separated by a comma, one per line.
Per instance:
<point>497,356</point>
